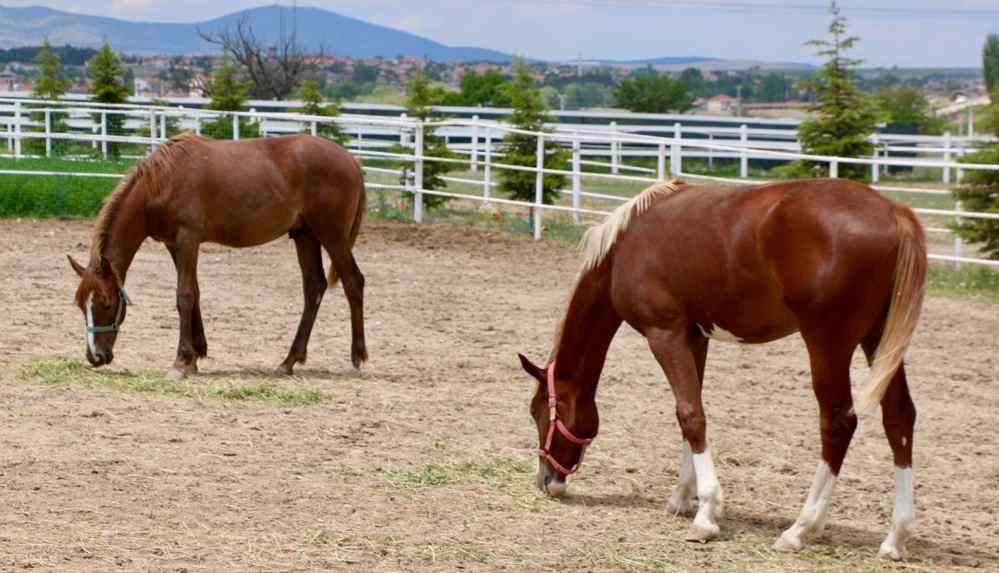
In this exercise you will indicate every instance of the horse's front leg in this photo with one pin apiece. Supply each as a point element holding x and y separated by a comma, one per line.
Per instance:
<point>199,339</point>
<point>186,259</point>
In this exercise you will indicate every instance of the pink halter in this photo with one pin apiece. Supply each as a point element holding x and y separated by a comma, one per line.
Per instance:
<point>554,422</point>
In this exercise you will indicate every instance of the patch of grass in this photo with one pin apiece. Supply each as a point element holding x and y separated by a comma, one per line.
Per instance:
<point>494,472</point>
<point>75,374</point>
<point>968,279</point>
<point>45,196</point>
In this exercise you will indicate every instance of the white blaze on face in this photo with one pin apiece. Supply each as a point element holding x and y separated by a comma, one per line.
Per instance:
<point>91,344</point>
<point>715,332</point>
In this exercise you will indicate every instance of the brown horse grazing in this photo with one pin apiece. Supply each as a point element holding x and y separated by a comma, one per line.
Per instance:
<point>831,259</point>
<point>193,190</point>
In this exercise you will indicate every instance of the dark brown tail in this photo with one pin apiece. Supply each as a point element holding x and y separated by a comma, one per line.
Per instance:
<point>903,313</point>
<point>355,229</point>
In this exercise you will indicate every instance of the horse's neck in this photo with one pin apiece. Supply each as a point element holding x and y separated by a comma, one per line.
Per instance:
<point>126,233</point>
<point>588,328</point>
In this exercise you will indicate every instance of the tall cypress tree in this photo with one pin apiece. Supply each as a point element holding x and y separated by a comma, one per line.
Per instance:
<point>313,103</point>
<point>521,149</point>
<point>844,116</point>
<point>228,92</point>
<point>107,85</point>
<point>49,85</point>
<point>990,62</point>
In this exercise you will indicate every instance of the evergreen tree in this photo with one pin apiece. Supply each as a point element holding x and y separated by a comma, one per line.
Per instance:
<point>107,85</point>
<point>843,115</point>
<point>979,190</point>
<point>651,92</point>
<point>228,93</point>
<point>49,85</point>
<point>990,63</point>
<point>422,95</point>
<point>314,104</point>
<point>521,149</point>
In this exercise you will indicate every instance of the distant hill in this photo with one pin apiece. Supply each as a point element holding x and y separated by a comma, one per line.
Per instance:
<point>316,28</point>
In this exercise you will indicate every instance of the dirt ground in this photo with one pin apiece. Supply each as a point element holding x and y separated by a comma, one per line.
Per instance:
<point>424,461</point>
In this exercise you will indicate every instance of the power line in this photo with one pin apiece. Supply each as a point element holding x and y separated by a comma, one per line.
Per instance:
<point>736,6</point>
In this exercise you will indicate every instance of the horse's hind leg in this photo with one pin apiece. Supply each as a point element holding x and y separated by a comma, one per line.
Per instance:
<point>830,362</point>
<point>899,418</point>
<point>353,286</point>
<point>310,260</point>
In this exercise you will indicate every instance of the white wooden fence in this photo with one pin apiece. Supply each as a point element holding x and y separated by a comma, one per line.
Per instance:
<point>479,144</point>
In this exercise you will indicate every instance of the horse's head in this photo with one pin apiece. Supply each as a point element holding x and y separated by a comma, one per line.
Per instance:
<point>103,302</point>
<point>566,426</point>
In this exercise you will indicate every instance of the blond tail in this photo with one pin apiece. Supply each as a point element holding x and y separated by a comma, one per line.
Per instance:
<point>903,313</point>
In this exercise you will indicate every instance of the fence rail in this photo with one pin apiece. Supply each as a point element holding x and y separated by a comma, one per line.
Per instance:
<point>478,145</point>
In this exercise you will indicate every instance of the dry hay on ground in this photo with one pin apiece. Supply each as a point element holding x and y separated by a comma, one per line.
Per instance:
<point>425,460</point>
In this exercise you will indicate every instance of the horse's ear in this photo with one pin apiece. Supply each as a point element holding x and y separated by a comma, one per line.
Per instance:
<point>531,369</point>
<point>105,270</point>
<point>76,266</point>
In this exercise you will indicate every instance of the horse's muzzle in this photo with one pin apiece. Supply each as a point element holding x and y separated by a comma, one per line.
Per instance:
<point>550,481</point>
<point>100,358</point>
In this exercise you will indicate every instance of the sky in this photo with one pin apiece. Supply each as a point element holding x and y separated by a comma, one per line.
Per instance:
<point>905,33</point>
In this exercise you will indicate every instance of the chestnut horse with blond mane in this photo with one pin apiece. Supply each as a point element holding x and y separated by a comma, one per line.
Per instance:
<point>192,190</point>
<point>831,259</point>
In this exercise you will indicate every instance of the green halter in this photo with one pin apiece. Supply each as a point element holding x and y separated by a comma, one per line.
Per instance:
<point>123,301</point>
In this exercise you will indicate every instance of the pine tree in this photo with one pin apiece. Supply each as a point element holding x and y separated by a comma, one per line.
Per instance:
<point>990,63</point>
<point>228,93</point>
<point>314,104</point>
<point>521,149</point>
<point>49,85</point>
<point>979,190</point>
<point>421,97</point>
<point>844,115</point>
<point>107,85</point>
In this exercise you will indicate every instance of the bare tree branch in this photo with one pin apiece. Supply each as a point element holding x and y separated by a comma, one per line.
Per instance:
<point>275,70</point>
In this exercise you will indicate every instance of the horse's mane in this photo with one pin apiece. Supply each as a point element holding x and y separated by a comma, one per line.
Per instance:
<point>153,171</point>
<point>599,239</point>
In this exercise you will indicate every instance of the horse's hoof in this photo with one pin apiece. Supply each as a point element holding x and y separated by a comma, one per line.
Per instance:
<point>701,533</point>
<point>892,552</point>
<point>283,370</point>
<point>787,544</point>
<point>176,375</point>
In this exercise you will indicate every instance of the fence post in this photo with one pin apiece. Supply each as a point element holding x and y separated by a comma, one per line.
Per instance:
<point>957,237</point>
<point>403,134</point>
<point>418,177</point>
<point>959,176</point>
<point>488,167</point>
<point>539,186</point>
<point>577,174</point>
<point>947,158</point>
<point>661,162</point>
<point>104,134</point>
<point>971,123</point>
<point>475,144</point>
<point>197,124</point>
<point>314,128</point>
<point>711,153</point>
<point>152,130</point>
<point>17,130</point>
<point>235,127</point>
<point>163,126</point>
<point>744,153</point>
<point>833,169</point>
<point>875,170</point>
<point>615,149</point>
<point>676,152</point>
<point>48,133</point>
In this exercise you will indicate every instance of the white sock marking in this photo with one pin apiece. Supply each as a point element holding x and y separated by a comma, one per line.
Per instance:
<point>708,491</point>
<point>813,514</point>
<point>686,487</point>
<point>903,516</point>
